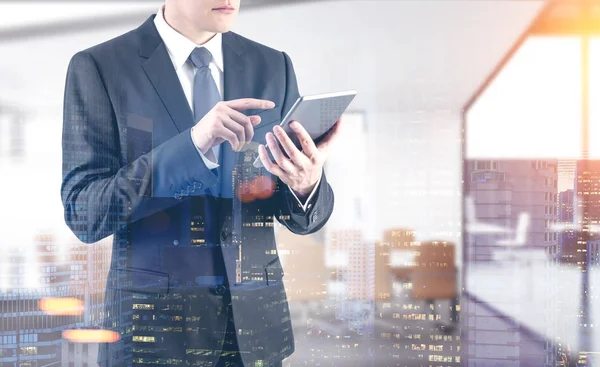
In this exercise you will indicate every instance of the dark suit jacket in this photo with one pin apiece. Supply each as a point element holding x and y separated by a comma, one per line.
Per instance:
<point>131,170</point>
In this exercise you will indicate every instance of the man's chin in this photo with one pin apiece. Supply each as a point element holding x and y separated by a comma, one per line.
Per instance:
<point>219,29</point>
<point>221,25</point>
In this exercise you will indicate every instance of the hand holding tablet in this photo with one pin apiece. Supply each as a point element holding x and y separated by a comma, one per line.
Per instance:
<point>317,114</point>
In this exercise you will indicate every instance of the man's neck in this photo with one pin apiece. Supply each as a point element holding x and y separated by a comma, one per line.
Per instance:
<point>178,23</point>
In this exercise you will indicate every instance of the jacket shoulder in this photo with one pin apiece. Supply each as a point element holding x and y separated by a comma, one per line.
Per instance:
<point>114,48</point>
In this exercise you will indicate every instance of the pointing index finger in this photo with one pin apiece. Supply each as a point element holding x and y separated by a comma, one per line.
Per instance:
<point>250,103</point>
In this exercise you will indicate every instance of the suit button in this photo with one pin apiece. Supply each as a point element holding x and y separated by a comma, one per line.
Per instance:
<point>197,185</point>
<point>315,215</point>
<point>223,236</point>
<point>219,290</point>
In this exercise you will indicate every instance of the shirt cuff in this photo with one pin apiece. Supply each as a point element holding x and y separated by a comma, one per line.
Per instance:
<point>307,203</point>
<point>209,159</point>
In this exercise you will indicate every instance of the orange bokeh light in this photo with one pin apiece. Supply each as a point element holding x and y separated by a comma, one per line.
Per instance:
<point>261,187</point>
<point>61,306</point>
<point>91,336</point>
<point>244,193</point>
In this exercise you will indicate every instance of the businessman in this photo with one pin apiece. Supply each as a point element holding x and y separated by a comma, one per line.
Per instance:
<point>161,126</point>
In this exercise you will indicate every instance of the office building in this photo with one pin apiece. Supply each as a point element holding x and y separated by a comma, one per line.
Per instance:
<point>394,259</point>
<point>566,251</point>
<point>52,268</point>
<point>303,261</point>
<point>565,205</point>
<point>587,198</point>
<point>353,260</point>
<point>504,189</point>
<point>566,174</point>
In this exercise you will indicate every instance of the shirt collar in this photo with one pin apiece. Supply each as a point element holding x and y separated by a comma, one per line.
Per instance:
<point>180,47</point>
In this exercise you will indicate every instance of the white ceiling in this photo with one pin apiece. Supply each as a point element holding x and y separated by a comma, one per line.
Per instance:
<point>26,14</point>
<point>420,55</point>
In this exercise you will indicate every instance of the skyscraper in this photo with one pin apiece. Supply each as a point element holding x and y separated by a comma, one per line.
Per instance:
<point>303,262</point>
<point>587,199</point>
<point>567,242</point>
<point>503,189</point>
<point>566,174</point>
<point>355,273</point>
<point>587,214</point>
<point>393,260</point>
<point>565,204</point>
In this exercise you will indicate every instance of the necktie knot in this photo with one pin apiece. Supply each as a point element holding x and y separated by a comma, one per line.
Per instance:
<point>200,57</point>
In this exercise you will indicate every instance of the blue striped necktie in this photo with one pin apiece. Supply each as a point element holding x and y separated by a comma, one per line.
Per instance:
<point>206,96</point>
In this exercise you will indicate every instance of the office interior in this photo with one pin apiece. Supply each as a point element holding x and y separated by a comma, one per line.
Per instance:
<point>465,234</point>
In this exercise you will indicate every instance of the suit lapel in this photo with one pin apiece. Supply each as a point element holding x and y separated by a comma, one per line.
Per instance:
<point>159,69</point>
<point>234,65</point>
<point>236,85</point>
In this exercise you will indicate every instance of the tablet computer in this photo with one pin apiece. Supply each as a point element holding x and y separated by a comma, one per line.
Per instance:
<point>317,113</point>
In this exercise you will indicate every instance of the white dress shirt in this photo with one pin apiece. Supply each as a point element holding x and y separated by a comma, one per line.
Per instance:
<point>180,48</point>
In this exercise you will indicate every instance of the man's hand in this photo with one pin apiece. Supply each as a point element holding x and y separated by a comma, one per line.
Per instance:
<point>302,170</point>
<point>225,122</point>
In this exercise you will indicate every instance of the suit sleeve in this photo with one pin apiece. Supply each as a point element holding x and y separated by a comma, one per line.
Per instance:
<point>102,189</point>
<point>287,209</point>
